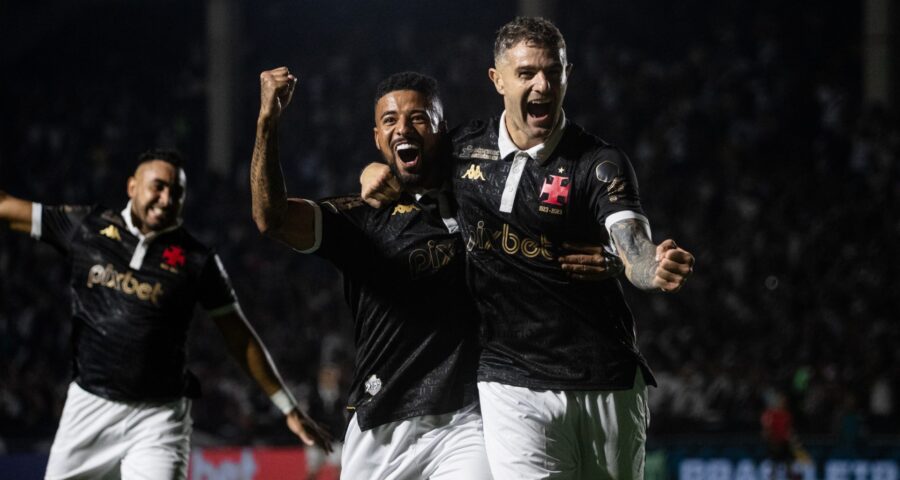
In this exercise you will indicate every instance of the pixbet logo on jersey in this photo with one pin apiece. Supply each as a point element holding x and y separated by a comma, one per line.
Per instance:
<point>107,276</point>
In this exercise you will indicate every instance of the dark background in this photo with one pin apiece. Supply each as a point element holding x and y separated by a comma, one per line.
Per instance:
<point>746,123</point>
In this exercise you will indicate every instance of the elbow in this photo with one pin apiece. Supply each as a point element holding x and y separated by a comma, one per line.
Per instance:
<point>268,224</point>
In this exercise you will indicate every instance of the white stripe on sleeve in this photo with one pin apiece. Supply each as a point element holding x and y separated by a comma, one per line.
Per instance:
<point>318,226</point>
<point>36,214</point>
<point>628,215</point>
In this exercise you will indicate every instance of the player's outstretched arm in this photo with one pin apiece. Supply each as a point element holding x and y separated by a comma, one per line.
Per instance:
<point>291,221</point>
<point>245,346</point>
<point>650,267</point>
<point>378,186</point>
<point>15,211</point>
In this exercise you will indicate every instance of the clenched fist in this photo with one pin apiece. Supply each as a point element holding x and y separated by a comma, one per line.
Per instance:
<point>674,268</point>
<point>276,87</point>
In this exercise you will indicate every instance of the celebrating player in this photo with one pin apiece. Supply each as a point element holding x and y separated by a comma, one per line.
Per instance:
<point>561,380</point>
<point>136,276</point>
<point>413,394</point>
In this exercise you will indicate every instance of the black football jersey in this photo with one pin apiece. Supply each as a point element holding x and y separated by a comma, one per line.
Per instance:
<point>415,322</point>
<point>132,301</point>
<point>540,329</point>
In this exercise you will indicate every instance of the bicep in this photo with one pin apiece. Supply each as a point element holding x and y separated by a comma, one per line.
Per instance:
<point>302,225</point>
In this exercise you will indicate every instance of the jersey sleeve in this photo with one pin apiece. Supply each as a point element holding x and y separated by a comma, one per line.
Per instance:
<point>343,240</point>
<point>612,188</point>
<point>56,225</point>
<point>215,292</point>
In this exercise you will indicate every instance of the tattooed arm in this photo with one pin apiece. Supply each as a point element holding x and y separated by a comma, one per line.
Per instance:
<point>289,220</point>
<point>650,267</point>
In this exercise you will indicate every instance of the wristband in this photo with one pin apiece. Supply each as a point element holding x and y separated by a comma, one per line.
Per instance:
<point>283,401</point>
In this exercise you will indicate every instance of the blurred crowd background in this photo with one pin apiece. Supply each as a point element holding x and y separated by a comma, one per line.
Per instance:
<point>746,123</point>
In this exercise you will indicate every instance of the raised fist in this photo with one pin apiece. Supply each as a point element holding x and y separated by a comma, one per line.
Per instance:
<point>276,89</point>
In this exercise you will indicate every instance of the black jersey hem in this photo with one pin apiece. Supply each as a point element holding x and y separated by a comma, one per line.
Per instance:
<point>412,413</point>
<point>539,384</point>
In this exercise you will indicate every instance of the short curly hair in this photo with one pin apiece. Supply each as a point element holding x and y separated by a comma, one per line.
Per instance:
<point>415,81</point>
<point>535,31</point>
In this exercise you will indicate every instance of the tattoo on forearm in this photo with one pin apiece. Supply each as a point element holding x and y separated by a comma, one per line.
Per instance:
<point>637,251</point>
<point>266,180</point>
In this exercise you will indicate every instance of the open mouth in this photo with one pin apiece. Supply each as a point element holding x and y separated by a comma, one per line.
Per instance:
<point>539,110</point>
<point>408,154</point>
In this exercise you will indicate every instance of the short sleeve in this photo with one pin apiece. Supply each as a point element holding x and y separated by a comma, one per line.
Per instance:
<point>216,294</point>
<point>56,225</point>
<point>343,237</point>
<point>613,188</point>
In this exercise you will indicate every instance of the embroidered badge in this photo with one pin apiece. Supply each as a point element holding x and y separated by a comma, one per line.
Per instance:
<point>373,385</point>
<point>555,190</point>
<point>173,257</point>
<point>111,232</point>
<point>606,171</point>
<point>470,151</point>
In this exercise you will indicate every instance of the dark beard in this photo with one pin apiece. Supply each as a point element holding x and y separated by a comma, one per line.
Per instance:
<point>410,181</point>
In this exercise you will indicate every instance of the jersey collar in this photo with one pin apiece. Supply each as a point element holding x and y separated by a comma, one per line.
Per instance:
<point>540,152</point>
<point>129,223</point>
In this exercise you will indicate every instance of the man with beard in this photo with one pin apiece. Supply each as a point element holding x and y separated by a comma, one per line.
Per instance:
<point>561,380</point>
<point>412,395</point>
<point>136,276</point>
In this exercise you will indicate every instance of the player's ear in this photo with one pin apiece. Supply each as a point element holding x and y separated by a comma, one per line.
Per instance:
<point>377,140</point>
<point>569,71</point>
<point>497,79</point>
<point>132,187</point>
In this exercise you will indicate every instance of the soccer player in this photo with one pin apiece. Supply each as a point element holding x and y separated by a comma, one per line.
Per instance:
<point>413,394</point>
<point>561,381</point>
<point>136,276</point>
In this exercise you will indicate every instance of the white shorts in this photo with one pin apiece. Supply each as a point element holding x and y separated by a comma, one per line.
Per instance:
<point>100,438</point>
<point>565,434</point>
<point>436,447</point>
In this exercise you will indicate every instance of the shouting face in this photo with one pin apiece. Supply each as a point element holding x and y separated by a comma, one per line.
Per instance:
<point>532,80</point>
<point>408,128</point>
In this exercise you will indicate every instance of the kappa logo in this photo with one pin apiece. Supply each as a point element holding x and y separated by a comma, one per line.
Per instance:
<point>401,209</point>
<point>111,232</point>
<point>173,257</point>
<point>473,173</point>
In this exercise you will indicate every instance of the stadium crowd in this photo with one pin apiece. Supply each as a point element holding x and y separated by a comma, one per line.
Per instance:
<point>749,138</point>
